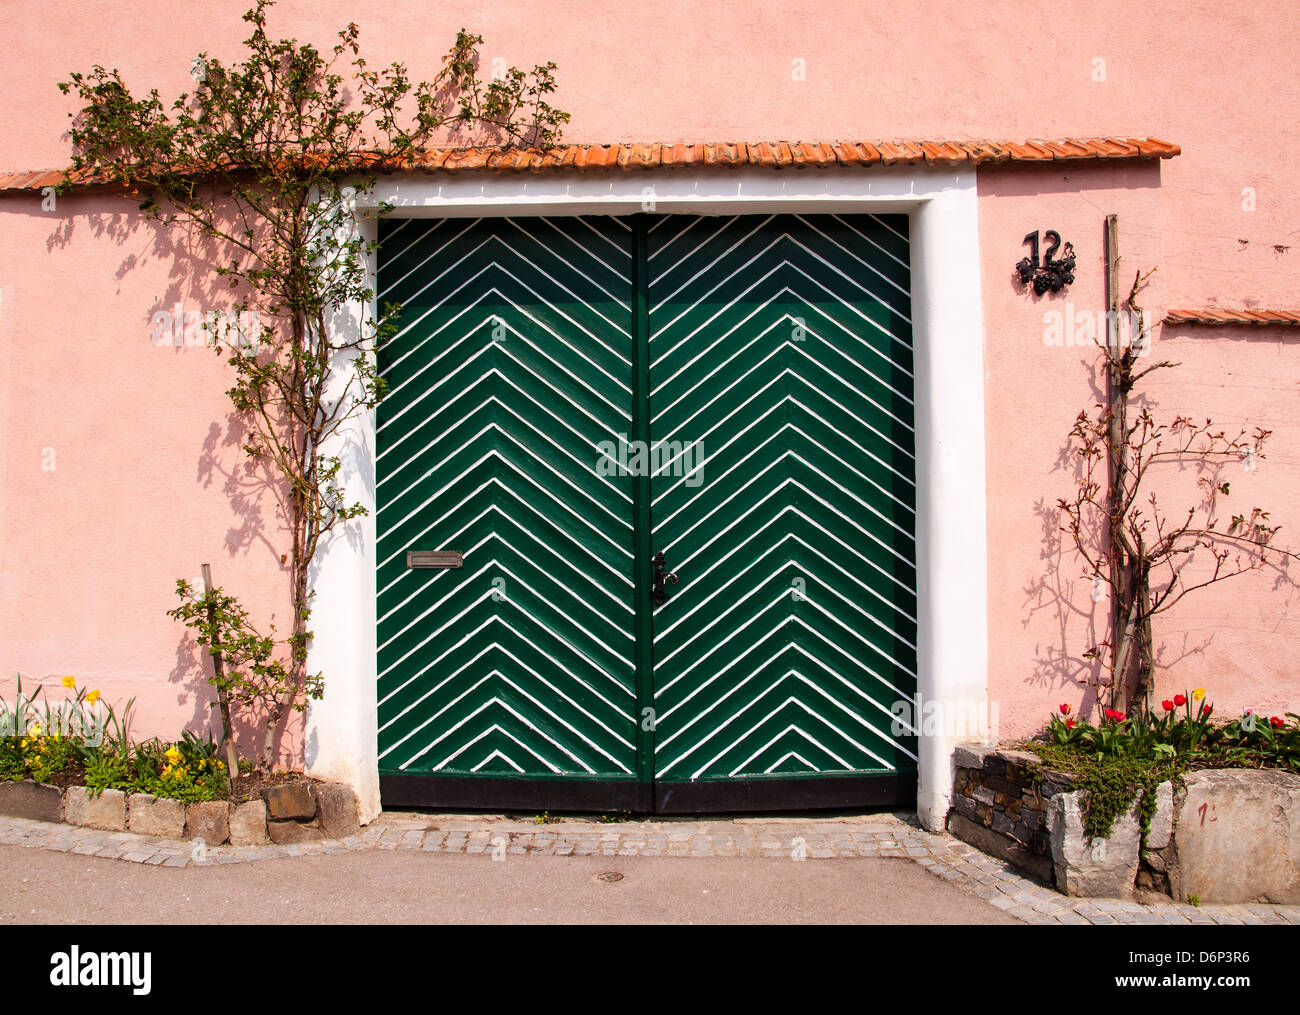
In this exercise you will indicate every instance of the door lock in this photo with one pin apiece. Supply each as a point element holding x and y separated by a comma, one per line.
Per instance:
<point>662,576</point>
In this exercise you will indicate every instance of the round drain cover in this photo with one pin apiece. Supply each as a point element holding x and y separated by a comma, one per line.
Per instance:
<point>609,876</point>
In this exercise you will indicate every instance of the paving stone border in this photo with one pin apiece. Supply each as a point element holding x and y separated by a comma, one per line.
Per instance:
<point>867,836</point>
<point>293,812</point>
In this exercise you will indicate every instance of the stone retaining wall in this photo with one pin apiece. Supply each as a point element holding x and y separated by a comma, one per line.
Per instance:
<point>1224,836</point>
<point>997,809</point>
<point>293,812</point>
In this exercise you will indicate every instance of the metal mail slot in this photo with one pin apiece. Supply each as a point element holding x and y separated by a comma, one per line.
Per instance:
<point>433,558</point>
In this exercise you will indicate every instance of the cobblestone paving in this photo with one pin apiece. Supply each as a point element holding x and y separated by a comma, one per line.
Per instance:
<point>877,835</point>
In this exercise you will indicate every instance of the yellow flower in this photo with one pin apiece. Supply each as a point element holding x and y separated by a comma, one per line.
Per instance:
<point>34,729</point>
<point>92,697</point>
<point>70,681</point>
<point>1198,693</point>
<point>172,755</point>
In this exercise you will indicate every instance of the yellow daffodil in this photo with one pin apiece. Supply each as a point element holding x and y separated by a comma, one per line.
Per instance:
<point>1198,693</point>
<point>70,681</point>
<point>92,697</point>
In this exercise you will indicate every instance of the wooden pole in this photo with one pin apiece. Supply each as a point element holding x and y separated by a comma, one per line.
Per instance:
<point>1116,432</point>
<point>223,696</point>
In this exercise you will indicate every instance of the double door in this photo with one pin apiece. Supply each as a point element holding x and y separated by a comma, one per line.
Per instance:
<point>646,531</point>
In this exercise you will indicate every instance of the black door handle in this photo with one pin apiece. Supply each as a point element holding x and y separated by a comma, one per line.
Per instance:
<point>662,576</point>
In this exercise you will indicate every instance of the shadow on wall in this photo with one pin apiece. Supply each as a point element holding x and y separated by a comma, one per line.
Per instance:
<point>196,309</point>
<point>1081,611</point>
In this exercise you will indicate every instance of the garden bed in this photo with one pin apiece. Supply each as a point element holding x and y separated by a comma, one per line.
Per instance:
<point>294,809</point>
<point>1211,835</point>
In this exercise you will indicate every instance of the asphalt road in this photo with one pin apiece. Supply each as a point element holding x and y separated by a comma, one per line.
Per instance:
<point>397,887</point>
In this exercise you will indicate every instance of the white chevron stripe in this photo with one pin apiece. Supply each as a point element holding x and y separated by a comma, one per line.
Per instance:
<point>626,689</point>
<point>584,467</point>
<point>729,717</point>
<point>799,731</point>
<point>668,301</point>
<point>550,629</point>
<point>468,225</point>
<point>907,296</point>
<point>697,580</point>
<point>492,320</point>
<point>680,234</point>
<point>496,264</point>
<point>495,480</point>
<point>497,754</point>
<point>885,226</point>
<point>568,262</point>
<point>495,728</point>
<point>483,378</point>
<point>663,521</point>
<point>786,757</point>
<point>660,300</point>
<point>547,708</point>
<point>467,582</point>
<point>787,481</point>
<point>758,725</point>
<point>494,453</point>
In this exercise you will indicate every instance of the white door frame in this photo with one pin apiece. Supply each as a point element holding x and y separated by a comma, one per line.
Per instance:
<point>948,337</point>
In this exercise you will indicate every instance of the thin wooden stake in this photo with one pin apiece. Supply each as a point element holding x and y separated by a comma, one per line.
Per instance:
<point>223,697</point>
<point>1116,432</point>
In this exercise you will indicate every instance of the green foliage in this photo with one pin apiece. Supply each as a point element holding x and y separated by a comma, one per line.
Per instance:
<point>1181,728</point>
<point>253,675</point>
<point>265,160</point>
<point>107,771</point>
<point>1124,757</point>
<point>617,818</point>
<point>84,740</point>
<point>1109,783</point>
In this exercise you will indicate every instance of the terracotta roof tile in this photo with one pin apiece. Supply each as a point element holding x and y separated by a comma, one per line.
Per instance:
<point>855,153</point>
<point>466,158</point>
<point>900,152</point>
<point>767,154</point>
<point>944,152</point>
<point>1221,316</point>
<point>818,155</point>
<point>1151,146</point>
<point>639,156</point>
<point>682,156</point>
<point>985,151</point>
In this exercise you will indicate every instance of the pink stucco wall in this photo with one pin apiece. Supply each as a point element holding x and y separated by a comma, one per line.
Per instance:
<point>141,492</point>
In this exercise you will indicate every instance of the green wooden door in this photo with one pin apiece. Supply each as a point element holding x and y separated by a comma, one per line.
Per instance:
<point>754,373</point>
<point>780,352</point>
<point>512,363</point>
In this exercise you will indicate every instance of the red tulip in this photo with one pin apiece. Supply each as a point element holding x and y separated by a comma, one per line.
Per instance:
<point>1208,709</point>
<point>1277,722</point>
<point>1116,716</point>
<point>1065,709</point>
<point>1167,705</point>
<point>1070,724</point>
<point>1179,700</point>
